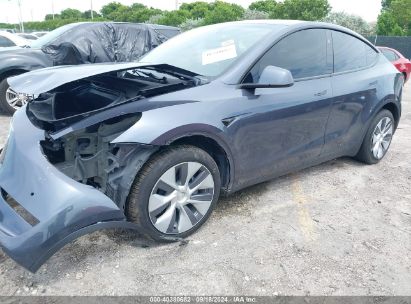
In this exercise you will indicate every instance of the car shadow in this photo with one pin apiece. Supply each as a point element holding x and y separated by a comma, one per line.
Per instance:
<point>96,246</point>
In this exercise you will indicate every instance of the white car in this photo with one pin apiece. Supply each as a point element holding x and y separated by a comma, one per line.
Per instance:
<point>8,39</point>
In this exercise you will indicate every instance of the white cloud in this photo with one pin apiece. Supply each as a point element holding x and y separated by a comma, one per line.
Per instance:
<point>36,9</point>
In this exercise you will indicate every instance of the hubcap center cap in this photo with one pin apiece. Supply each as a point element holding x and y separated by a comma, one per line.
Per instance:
<point>183,196</point>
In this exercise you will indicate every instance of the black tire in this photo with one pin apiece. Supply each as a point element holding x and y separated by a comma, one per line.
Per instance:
<point>5,108</point>
<point>138,199</point>
<point>365,154</point>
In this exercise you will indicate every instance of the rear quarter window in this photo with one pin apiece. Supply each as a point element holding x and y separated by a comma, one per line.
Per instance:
<point>350,53</point>
<point>390,55</point>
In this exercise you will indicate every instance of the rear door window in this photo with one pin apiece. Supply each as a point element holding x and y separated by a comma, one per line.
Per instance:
<point>350,53</point>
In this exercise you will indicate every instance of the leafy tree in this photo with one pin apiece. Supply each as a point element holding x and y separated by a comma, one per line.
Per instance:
<point>50,16</point>
<point>395,19</point>
<point>223,12</point>
<point>267,6</point>
<point>71,13</point>
<point>310,10</point>
<point>197,10</point>
<point>401,9</point>
<point>387,25</point>
<point>111,8</point>
<point>190,24</point>
<point>250,14</point>
<point>386,4</point>
<point>87,14</point>
<point>155,19</point>
<point>174,18</point>
<point>353,22</point>
<point>141,15</point>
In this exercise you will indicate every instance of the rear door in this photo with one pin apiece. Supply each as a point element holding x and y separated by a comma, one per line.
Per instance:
<point>355,84</point>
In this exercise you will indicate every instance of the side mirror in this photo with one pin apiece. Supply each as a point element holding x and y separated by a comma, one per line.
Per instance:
<point>271,77</point>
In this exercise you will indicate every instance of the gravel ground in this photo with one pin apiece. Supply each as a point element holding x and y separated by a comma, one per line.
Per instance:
<point>341,228</point>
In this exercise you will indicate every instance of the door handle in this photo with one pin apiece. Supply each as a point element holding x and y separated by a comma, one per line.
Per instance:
<point>322,93</point>
<point>374,83</point>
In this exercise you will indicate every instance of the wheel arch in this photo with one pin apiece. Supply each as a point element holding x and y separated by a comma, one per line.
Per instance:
<point>395,111</point>
<point>215,149</point>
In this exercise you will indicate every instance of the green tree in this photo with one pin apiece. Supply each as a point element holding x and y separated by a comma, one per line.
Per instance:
<point>353,22</point>
<point>190,24</point>
<point>111,8</point>
<point>174,18</point>
<point>267,6</point>
<point>395,19</point>
<point>50,16</point>
<point>250,14</point>
<point>386,4</point>
<point>197,10</point>
<point>309,10</point>
<point>87,14</point>
<point>387,25</point>
<point>71,13</point>
<point>223,12</point>
<point>142,14</point>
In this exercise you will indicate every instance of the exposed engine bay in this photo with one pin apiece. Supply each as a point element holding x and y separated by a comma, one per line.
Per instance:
<point>87,155</point>
<point>76,100</point>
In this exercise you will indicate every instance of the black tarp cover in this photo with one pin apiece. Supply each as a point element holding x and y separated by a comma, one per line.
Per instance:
<point>106,42</point>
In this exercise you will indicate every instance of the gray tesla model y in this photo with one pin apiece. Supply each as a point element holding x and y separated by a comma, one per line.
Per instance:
<point>151,145</point>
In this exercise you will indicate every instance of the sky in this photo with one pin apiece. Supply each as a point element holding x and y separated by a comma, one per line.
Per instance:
<point>35,10</point>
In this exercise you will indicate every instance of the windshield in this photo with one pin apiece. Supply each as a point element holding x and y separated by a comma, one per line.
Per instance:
<point>52,36</point>
<point>209,50</point>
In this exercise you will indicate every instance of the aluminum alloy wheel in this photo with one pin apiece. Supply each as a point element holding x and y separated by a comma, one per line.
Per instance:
<point>181,198</point>
<point>16,100</point>
<point>381,138</point>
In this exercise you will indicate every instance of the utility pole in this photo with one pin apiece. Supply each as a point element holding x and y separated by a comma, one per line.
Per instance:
<point>20,16</point>
<point>52,8</point>
<point>91,11</point>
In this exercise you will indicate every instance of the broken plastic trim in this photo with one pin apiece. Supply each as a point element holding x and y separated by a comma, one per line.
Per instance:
<point>87,156</point>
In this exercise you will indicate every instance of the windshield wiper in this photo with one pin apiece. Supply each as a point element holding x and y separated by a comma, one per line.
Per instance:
<point>177,72</point>
<point>151,75</point>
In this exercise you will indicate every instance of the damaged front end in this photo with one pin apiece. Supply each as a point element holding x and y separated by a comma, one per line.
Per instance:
<point>88,157</point>
<point>61,174</point>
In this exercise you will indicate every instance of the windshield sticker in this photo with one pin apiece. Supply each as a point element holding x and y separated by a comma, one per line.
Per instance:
<point>219,54</point>
<point>228,42</point>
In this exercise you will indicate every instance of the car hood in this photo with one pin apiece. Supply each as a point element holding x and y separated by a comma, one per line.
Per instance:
<point>45,80</point>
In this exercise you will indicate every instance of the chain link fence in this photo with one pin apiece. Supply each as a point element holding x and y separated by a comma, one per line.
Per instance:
<point>401,44</point>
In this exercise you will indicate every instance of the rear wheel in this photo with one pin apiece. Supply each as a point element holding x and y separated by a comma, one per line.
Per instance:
<point>10,101</point>
<point>378,138</point>
<point>175,193</point>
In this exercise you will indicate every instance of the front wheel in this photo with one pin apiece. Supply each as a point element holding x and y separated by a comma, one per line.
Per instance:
<point>174,193</point>
<point>378,138</point>
<point>10,101</point>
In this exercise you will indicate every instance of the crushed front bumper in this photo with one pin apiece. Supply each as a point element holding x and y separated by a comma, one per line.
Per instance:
<point>41,209</point>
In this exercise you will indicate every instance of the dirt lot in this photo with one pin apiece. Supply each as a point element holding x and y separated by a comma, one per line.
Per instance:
<point>341,228</point>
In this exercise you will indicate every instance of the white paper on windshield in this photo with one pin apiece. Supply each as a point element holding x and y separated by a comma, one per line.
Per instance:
<point>219,54</point>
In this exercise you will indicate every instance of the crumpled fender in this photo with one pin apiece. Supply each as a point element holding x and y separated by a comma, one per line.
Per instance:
<point>61,208</point>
